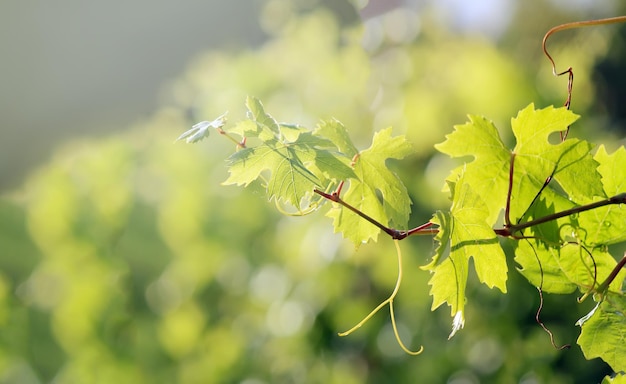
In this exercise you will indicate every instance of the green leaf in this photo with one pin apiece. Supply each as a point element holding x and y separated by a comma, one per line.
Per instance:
<point>201,130</point>
<point>604,333</point>
<point>352,226</point>
<point>442,220</point>
<point>564,269</point>
<point>555,231</point>
<point>470,237</point>
<point>613,170</point>
<point>607,225</point>
<point>554,257</point>
<point>540,265</point>
<point>620,378</point>
<point>376,191</point>
<point>297,160</point>
<point>535,160</point>
<point>290,179</point>
<point>336,132</point>
<point>479,138</point>
<point>577,172</point>
<point>266,126</point>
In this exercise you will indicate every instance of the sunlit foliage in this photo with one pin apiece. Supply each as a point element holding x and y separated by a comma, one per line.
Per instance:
<point>123,261</point>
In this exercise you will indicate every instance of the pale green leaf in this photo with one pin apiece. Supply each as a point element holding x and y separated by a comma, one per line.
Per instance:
<point>290,180</point>
<point>201,130</point>
<point>613,170</point>
<point>535,160</point>
<point>267,126</point>
<point>336,132</point>
<point>291,160</point>
<point>441,219</point>
<point>372,170</point>
<point>576,172</point>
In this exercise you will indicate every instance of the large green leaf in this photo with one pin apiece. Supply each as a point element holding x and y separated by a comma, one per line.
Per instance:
<point>604,333</point>
<point>607,225</point>
<point>566,268</point>
<point>479,138</point>
<point>469,235</point>
<point>535,160</point>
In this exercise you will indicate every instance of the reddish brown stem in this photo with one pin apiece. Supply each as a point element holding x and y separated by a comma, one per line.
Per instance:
<point>605,284</point>
<point>507,210</point>
<point>617,199</point>
<point>394,233</point>
<point>507,231</point>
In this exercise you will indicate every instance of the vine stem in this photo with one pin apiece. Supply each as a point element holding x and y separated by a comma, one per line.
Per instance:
<point>389,301</point>
<point>507,209</point>
<point>241,144</point>
<point>509,231</point>
<point>395,234</point>
<point>605,284</point>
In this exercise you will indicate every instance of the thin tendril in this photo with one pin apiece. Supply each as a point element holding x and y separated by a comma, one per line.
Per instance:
<point>569,71</point>
<point>507,210</point>
<point>572,25</point>
<point>389,301</point>
<point>538,314</point>
<point>309,209</point>
<point>605,284</point>
<point>594,274</point>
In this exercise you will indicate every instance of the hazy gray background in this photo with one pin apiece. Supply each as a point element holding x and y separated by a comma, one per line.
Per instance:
<point>85,67</point>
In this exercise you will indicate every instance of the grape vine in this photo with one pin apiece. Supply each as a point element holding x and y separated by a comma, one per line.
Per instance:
<point>559,205</point>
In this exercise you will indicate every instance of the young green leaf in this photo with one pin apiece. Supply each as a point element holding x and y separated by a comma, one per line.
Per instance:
<point>441,219</point>
<point>290,179</point>
<point>266,126</point>
<point>296,159</point>
<point>201,130</point>
<point>336,132</point>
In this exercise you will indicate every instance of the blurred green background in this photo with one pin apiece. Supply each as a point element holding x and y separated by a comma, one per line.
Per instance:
<point>123,259</point>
